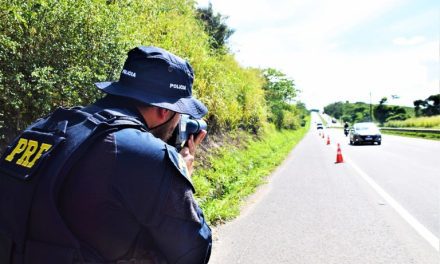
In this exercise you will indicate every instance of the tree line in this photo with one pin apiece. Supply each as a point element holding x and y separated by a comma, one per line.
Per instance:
<point>428,107</point>
<point>53,51</point>
<point>382,112</point>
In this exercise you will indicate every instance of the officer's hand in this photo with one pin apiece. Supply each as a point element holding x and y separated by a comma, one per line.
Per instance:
<point>189,151</point>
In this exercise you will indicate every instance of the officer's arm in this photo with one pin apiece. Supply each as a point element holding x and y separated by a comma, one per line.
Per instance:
<point>182,235</point>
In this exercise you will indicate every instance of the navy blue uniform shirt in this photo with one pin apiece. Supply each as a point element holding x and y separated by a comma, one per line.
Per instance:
<point>129,197</point>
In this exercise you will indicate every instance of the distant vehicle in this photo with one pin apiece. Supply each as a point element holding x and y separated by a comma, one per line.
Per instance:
<point>366,132</point>
<point>334,121</point>
<point>319,126</point>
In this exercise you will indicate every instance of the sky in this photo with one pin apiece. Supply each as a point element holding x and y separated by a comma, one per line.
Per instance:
<point>340,50</point>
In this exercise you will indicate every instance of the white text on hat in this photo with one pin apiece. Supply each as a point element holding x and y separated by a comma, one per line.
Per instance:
<point>129,73</point>
<point>177,86</point>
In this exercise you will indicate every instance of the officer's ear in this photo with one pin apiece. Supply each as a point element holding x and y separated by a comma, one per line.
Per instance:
<point>151,114</point>
<point>162,113</point>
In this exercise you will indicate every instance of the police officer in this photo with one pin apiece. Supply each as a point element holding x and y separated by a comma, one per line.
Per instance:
<point>129,199</point>
<point>346,128</point>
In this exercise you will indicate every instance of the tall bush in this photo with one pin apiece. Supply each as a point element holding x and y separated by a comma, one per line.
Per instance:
<point>53,51</point>
<point>279,93</point>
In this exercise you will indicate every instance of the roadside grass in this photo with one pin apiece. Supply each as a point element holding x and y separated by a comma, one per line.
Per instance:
<point>324,123</point>
<point>422,122</point>
<point>236,169</point>
<point>432,122</point>
<point>433,136</point>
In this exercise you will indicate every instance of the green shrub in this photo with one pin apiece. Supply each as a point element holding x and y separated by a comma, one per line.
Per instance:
<point>53,51</point>
<point>423,122</point>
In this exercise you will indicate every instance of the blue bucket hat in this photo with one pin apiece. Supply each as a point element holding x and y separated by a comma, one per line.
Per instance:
<point>157,77</point>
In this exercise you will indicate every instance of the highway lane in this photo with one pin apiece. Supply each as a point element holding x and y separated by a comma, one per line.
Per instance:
<point>408,169</point>
<point>315,211</point>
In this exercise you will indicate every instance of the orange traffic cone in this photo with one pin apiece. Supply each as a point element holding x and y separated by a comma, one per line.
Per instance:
<point>328,140</point>
<point>339,158</point>
<point>323,135</point>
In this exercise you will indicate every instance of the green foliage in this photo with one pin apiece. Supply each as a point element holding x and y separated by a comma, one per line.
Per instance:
<point>233,94</point>
<point>428,107</point>
<point>417,122</point>
<point>279,93</point>
<point>336,110</point>
<point>215,25</point>
<point>384,113</point>
<point>360,112</point>
<point>235,172</point>
<point>52,53</point>
<point>349,112</point>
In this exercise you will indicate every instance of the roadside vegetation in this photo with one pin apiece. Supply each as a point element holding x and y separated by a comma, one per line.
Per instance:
<point>88,40</point>
<point>427,122</point>
<point>323,121</point>
<point>52,53</point>
<point>425,114</point>
<point>363,112</point>
<point>418,122</point>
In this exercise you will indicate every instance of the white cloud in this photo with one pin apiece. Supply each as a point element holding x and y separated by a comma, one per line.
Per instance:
<point>303,39</point>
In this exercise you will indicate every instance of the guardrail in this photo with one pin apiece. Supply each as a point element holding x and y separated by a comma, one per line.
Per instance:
<point>423,130</point>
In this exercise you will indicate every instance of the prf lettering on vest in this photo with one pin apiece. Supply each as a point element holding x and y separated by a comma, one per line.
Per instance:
<point>27,148</point>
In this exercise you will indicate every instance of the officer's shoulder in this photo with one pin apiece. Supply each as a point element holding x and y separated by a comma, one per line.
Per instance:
<point>149,149</point>
<point>178,164</point>
<point>135,141</point>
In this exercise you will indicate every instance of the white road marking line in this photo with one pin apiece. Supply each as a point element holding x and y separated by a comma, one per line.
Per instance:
<point>423,231</point>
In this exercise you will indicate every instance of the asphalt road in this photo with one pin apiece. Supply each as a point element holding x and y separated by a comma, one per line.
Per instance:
<point>407,168</point>
<point>315,211</point>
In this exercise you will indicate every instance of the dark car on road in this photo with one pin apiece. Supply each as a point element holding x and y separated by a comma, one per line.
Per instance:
<point>319,126</point>
<point>365,132</point>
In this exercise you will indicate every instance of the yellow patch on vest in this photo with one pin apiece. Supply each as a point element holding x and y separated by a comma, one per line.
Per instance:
<point>27,152</point>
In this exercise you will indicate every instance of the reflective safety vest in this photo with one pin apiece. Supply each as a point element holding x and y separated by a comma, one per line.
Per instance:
<point>43,155</point>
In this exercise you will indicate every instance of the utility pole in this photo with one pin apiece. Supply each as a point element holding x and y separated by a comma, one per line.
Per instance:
<point>371,110</point>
